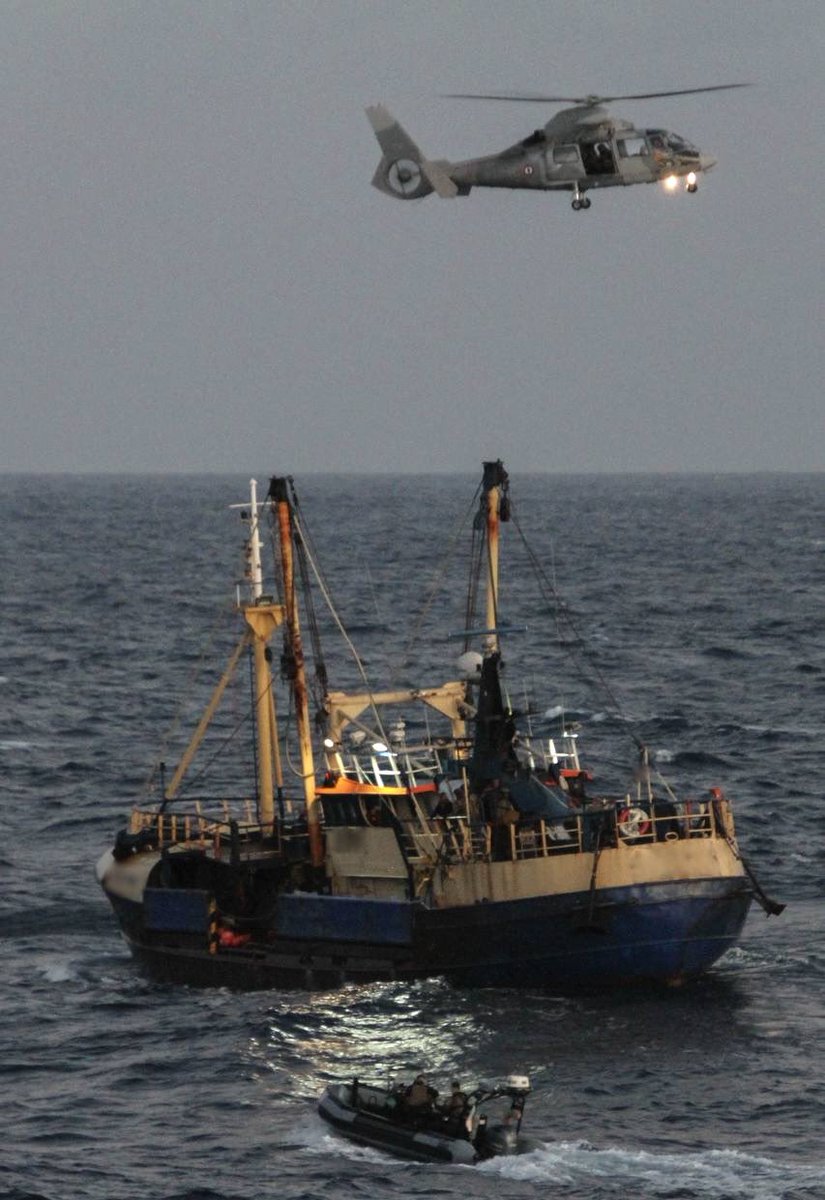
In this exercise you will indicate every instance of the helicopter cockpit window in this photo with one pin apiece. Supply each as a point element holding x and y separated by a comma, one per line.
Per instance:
<point>631,147</point>
<point>662,139</point>
<point>565,154</point>
<point>679,144</point>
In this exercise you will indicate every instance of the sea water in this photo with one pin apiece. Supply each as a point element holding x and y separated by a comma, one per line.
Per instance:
<point>690,617</point>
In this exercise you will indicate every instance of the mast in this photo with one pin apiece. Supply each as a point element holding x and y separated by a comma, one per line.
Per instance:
<point>263,617</point>
<point>492,745</point>
<point>279,496</point>
<point>494,487</point>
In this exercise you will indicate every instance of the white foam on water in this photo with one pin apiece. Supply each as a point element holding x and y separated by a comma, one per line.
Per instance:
<point>316,1138</point>
<point>57,970</point>
<point>707,1173</point>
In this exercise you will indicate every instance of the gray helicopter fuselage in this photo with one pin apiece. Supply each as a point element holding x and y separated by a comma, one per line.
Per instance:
<point>607,154</point>
<point>579,149</point>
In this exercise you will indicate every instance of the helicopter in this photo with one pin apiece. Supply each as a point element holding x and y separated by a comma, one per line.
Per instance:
<point>579,149</point>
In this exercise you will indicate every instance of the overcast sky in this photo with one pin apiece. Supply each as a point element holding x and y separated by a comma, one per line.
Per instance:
<point>197,275</point>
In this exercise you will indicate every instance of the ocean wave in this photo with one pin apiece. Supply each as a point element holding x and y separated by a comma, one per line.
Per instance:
<point>709,1091</point>
<point>46,920</point>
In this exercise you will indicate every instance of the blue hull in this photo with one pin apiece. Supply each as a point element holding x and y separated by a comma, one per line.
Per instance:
<point>654,933</point>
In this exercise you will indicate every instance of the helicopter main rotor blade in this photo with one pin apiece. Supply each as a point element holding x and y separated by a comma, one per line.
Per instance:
<point>716,87</point>
<point>589,101</point>
<point>529,96</point>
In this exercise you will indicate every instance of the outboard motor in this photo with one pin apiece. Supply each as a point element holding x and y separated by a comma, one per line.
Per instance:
<point>502,1137</point>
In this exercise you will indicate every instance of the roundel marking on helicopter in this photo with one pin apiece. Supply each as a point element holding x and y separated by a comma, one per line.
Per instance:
<point>528,170</point>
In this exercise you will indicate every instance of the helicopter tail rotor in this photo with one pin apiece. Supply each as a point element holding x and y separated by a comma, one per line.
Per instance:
<point>403,172</point>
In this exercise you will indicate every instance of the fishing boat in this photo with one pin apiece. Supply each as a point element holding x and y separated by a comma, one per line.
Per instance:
<point>463,1132</point>
<point>469,850</point>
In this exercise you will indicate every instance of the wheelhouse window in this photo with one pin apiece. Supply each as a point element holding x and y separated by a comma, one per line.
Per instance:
<point>631,147</point>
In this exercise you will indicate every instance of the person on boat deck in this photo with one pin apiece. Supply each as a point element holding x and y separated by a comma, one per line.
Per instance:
<point>576,789</point>
<point>456,1105</point>
<point>506,812</point>
<point>492,800</point>
<point>443,809</point>
<point>419,1096</point>
<point>505,815</point>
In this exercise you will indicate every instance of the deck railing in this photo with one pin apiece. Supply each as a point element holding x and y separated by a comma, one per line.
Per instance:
<point>598,826</point>
<point>234,828</point>
<point>616,824</point>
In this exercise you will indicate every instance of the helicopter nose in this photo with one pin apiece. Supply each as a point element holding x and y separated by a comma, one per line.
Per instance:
<point>707,161</point>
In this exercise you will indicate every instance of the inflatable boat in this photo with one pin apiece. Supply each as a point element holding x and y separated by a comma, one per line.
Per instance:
<point>423,1128</point>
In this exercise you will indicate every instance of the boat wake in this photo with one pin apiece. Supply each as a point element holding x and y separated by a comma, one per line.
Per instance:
<point>705,1175</point>
<point>315,1138</point>
<point>616,1171</point>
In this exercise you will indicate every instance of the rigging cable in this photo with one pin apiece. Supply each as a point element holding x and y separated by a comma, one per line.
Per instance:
<point>477,545</point>
<point>341,628</point>
<point>301,539</point>
<point>562,615</point>
<point>251,661</point>
<point>177,719</point>
<point>230,737</point>
<point>434,589</point>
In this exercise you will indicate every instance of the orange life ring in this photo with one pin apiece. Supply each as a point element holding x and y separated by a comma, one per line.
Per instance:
<point>633,822</point>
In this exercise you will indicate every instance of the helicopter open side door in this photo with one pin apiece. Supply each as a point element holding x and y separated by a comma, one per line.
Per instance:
<point>633,158</point>
<point>598,158</point>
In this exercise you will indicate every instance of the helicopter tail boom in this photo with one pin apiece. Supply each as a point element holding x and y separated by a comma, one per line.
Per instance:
<point>403,171</point>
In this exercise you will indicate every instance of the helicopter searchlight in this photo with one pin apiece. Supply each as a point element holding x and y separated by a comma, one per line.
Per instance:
<point>580,149</point>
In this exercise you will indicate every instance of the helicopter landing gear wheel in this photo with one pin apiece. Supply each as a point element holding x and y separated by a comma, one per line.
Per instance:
<point>580,202</point>
<point>693,187</point>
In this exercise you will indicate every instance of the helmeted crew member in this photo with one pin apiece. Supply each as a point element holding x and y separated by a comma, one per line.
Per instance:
<point>419,1096</point>
<point>456,1110</point>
